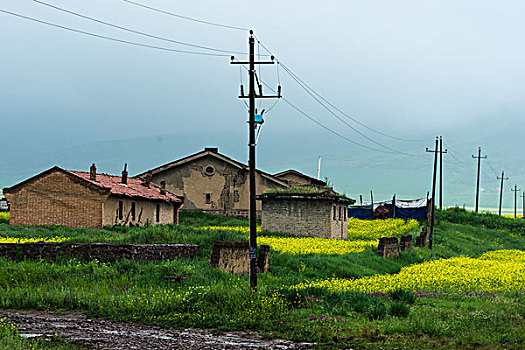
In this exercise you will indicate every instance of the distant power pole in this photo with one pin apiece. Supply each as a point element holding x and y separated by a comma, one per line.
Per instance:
<point>523,204</point>
<point>319,169</point>
<point>515,190</point>
<point>433,207</point>
<point>441,172</point>
<point>479,157</point>
<point>252,96</point>
<point>501,189</point>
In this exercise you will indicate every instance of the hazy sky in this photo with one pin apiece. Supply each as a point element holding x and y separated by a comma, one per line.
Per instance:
<point>411,69</point>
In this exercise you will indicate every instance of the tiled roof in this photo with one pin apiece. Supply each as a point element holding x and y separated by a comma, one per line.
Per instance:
<point>133,188</point>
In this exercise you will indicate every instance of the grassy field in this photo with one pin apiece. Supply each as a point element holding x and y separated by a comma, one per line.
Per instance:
<point>429,317</point>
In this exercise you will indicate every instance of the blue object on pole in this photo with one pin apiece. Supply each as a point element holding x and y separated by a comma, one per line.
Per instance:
<point>259,119</point>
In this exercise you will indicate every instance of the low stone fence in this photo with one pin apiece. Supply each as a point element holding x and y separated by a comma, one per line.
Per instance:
<point>99,251</point>
<point>233,257</point>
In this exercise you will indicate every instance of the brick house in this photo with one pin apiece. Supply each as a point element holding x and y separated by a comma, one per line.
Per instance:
<point>86,199</point>
<point>305,214</point>
<point>212,182</point>
<point>294,178</point>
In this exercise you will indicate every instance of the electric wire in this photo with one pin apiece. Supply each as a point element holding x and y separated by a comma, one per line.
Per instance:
<point>306,86</point>
<point>135,31</point>
<point>324,126</point>
<point>344,122</point>
<point>112,38</point>
<point>185,17</point>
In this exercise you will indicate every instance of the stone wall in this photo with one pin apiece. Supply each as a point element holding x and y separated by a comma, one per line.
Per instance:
<point>233,257</point>
<point>99,251</point>
<point>388,247</point>
<point>309,217</point>
<point>56,199</point>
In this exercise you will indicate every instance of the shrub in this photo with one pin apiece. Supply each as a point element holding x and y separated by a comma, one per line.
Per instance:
<point>403,295</point>
<point>399,309</point>
<point>376,310</point>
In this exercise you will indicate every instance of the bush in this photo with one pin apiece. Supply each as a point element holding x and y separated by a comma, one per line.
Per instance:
<point>376,310</point>
<point>399,309</point>
<point>403,296</point>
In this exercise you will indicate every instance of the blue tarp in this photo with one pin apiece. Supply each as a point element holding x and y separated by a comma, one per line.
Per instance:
<point>404,210</point>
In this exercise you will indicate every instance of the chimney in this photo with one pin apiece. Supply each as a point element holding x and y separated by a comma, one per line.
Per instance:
<point>163,187</point>
<point>93,172</point>
<point>147,181</point>
<point>125,174</point>
<point>212,149</point>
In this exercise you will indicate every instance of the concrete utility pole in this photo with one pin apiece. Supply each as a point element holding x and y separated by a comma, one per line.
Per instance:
<point>501,189</point>
<point>433,208</point>
<point>319,169</point>
<point>515,190</point>
<point>479,158</point>
<point>523,204</point>
<point>441,172</point>
<point>251,146</point>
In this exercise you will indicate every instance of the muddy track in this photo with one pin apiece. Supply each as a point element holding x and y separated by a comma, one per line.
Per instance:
<point>103,334</point>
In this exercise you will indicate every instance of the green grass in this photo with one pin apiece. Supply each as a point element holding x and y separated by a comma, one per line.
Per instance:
<point>209,298</point>
<point>11,339</point>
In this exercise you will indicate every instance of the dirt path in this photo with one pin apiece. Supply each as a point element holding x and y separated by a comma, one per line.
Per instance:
<point>103,334</point>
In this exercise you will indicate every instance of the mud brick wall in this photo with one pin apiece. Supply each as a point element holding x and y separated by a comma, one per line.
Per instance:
<point>233,257</point>
<point>388,247</point>
<point>99,251</point>
<point>406,243</point>
<point>308,217</point>
<point>56,199</point>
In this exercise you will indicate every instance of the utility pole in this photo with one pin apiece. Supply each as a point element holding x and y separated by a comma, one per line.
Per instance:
<point>479,158</point>
<point>433,210</point>
<point>501,189</point>
<point>441,172</point>
<point>515,190</point>
<point>372,200</point>
<point>523,204</point>
<point>252,96</point>
<point>319,169</point>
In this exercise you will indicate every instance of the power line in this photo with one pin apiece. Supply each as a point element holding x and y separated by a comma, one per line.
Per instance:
<point>111,38</point>
<point>307,87</point>
<point>136,31</point>
<point>340,119</point>
<point>322,125</point>
<point>185,17</point>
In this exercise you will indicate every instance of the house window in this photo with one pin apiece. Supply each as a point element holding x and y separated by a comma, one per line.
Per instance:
<point>120,210</point>
<point>340,213</point>
<point>209,170</point>
<point>157,213</point>
<point>208,198</point>
<point>335,212</point>
<point>133,211</point>
<point>344,213</point>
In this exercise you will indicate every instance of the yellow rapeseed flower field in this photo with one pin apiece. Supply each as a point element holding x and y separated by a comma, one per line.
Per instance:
<point>502,270</point>
<point>30,240</point>
<point>4,215</point>
<point>375,229</point>
<point>362,235</point>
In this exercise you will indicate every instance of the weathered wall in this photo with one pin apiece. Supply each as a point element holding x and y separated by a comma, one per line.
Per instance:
<point>304,217</point>
<point>233,257</point>
<point>388,247</point>
<point>227,186</point>
<point>99,251</point>
<point>56,199</point>
<point>145,212</point>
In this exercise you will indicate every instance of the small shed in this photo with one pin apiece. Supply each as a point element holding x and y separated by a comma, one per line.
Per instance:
<point>318,214</point>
